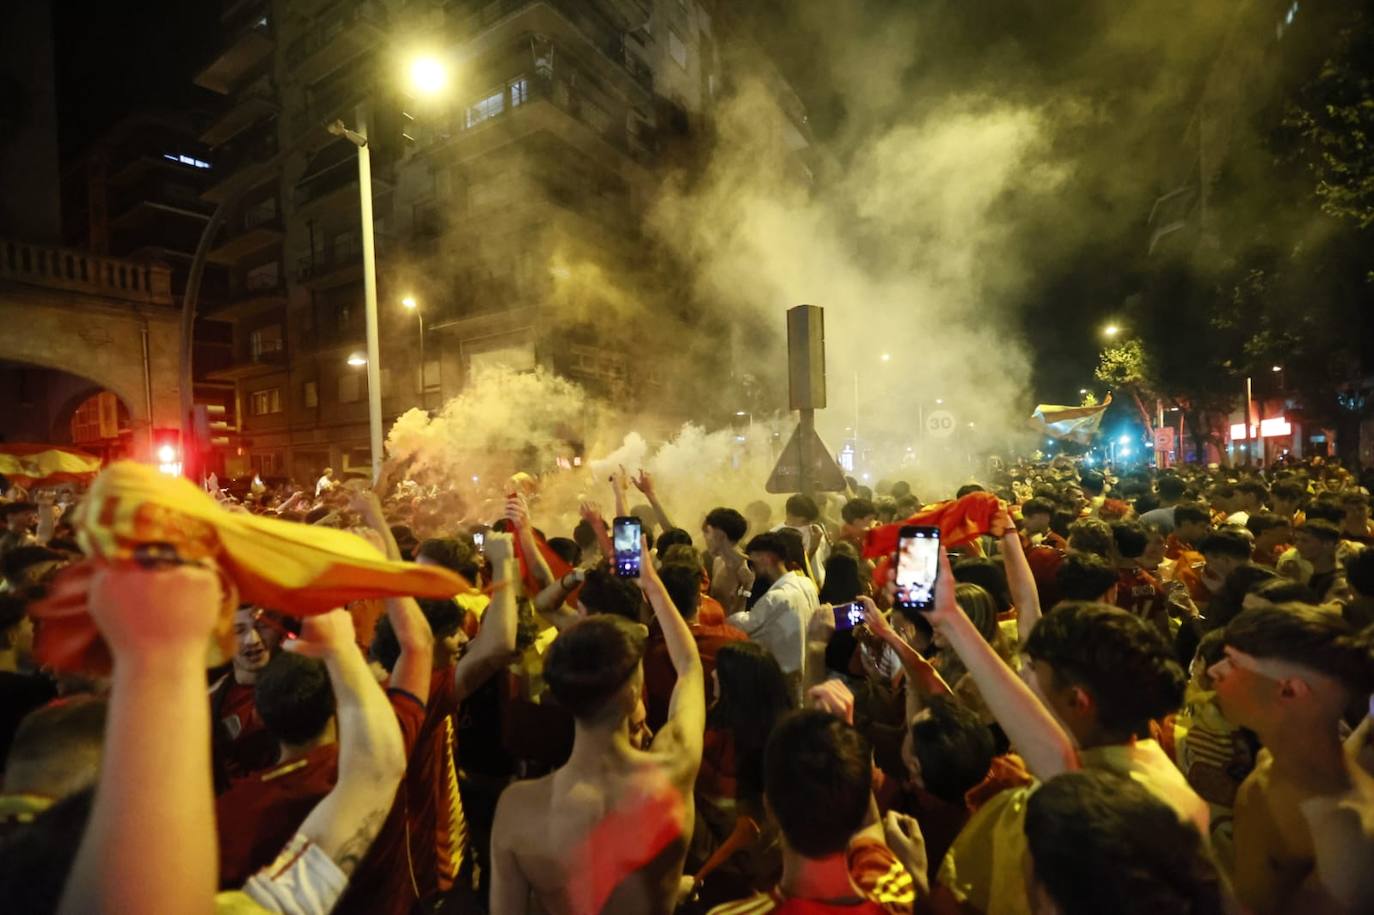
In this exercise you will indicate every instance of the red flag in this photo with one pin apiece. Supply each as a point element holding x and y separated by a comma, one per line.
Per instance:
<point>959,521</point>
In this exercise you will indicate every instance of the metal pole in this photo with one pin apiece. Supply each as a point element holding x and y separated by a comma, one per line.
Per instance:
<point>805,432</point>
<point>374,370</point>
<point>1249,423</point>
<point>424,390</point>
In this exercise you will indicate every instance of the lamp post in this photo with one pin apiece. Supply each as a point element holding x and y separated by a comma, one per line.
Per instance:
<point>410,303</point>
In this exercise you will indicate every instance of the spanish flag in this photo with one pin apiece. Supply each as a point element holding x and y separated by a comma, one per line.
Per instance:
<point>1073,424</point>
<point>46,465</point>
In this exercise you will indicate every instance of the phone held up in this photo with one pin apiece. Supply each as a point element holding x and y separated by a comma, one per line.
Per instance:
<point>847,616</point>
<point>629,546</point>
<point>918,564</point>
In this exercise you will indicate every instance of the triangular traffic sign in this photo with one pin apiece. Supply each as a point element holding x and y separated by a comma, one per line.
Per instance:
<point>825,475</point>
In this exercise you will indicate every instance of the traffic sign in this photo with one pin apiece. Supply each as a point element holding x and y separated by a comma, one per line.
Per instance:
<point>940,424</point>
<point>1164,438</point>
<point>825,475</point>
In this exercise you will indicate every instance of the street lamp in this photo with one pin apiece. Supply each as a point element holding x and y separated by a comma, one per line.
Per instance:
<point>428,75</point>
<point>1111,330</point>
<point>357,359</point>
<point>410,303</point>
<point>1277,368</point>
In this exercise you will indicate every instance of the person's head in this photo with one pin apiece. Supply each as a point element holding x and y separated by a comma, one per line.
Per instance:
<point>859,514</point>
<point>1291,665</point>
<point>451,553</point>
<point>405,540</point>
<point>20,517</point>
<point>1326,507</point>
<point>1276,591</point>
<point>948,750</point>
<point>328,473</point>
<point>256,639</point>
<point>989,575</point>
<point>683,584</point>
<point>56,749</point>
<point>751,690</point>
<point>1223,498</point>
<point>981,608</point>
<point>1210,649</point>
<point>1230,600</point>
<point>1317,541</point>
<point>1100,842</point>
<point>606,593</point>
<point>1355,506</point>
<point>1130,539</point>
<point>843,580</point>
<point>759,515</point>
<point>1103,672</point>
<point>16,626</point>
<point>1092,536</point>
<point>801,509</point>
<point>966,489</point>
<point>30,566</point>
<point>567,549</point>
<point>818,778</point>
<point>1271,530</point>
<point>1287,497</point>
<point>723,526</point>
<point>674,536</point>
<point>1155,548</point>
<point>1092,483</point>
<point>1036,515</point>
<point>1171,489</point>
<point>1085,576</point>
<point>293,697</point>
<point>584,535</point>
<point>594,669</point>
<point>900,490</point>
<point>768,554</point>
<point>1251,495</point>
<point>1225,551</point>
<point>445,619</point>
<point>1359,572</point>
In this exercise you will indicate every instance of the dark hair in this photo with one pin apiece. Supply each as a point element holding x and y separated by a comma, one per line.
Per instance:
<point>843,581</point>
<point>1092,482</point>
<point>683,584</point>
<point>1229,601</point>
<point>802,506</point>
<point>1261,522</point>
<point>604,592</point>
<point>293,697</point>
<point>1084,576</point>
<point>794,547</point>
<point>1171,487</point>
<point>855,509</point>
<point>385,648</point>
<point>671,537</point>
<point>818,777</point>
<point>753,696</point>
<point>1313,638</point>
<point>1131,538</point>
<point>21,557</point>
<point>317,514</point>
<point>16,508</point>
<point>568,550</point>
<point>953,747</point>
<point>1191,513</point>
<point>988,575</point>
<point>13,608</point>
<point>451,553</point>
<point>1253,488</point>
<point>900,489</point>
<point>1359,572</point>
<point>1037,507</point>
<point>56,749</point>
<point>1326,509</point>
<point>768,542</point>
<point>729,522</point>
<point>1289,491</point>
<point>1119,659</point>
<point>966,489</point>
<point>405,539</point>
<point>1100,842</point>
<point>591,660</point>
<point>1355,498</point>
<point>1062,521</point>
<point>1284,591</point>
<point>1090,535</point>
<point>1211,648</point>
<point>585,535</point>
<point>1231,544</point>
<point>1322,530</point>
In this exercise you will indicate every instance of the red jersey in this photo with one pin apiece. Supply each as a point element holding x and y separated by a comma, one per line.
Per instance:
<point>1044,563</point>
<point>659,676</point>
<point>240,743</point>
<point>1139,594</point>
<point>886,885</point>
<point>710,612</point>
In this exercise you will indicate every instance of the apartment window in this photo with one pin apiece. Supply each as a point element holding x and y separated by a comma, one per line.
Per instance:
<point>431,376</point>
<point>350,387</point>
<point>261,403</point>
<point>676,49</point>
<point>486,108</point>
<point>265,341</point>
<point>263,276</point>
<point>310,394</point>
<point>519,91</point>
<point>187,160</point>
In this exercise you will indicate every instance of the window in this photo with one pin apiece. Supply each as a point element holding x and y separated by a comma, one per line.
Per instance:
<point>519,91</point>
<point>265,341</point>
<point>260,212</point>
<point>676,49</point>
<point>432,375</point>
<point>350,387</point>
<point>485,109</point>
<point>310,394</point>
<point>187,160</point>
<point>263,276</point>
<point>261,403</point>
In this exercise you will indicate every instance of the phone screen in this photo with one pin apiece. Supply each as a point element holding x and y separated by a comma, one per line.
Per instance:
<point>918,562</point>
<point>479,540</point>
<point>628,546</point>
<point>849,615</point>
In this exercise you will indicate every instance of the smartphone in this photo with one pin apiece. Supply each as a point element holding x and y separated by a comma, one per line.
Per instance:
<point>479,540</point>
<point>918,564</point>
<point>847,616</point>
<point>627,538</point>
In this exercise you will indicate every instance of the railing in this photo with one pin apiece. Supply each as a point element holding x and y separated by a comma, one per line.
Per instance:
<point>77,271</point>
<point>332,23</point>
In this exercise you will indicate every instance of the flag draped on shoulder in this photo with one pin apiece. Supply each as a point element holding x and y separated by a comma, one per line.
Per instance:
<point>1072,424</point>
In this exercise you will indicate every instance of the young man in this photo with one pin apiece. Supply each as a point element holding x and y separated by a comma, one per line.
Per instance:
<point>779,619</point>
<point>1316,542</point>
<point>609,830</point>
<point>1137,591</point>
<point>731,576</point>
<point>1222,553</point>
<point>1287,497</point>
<point>683,583</point>
<point>55,754</point>
<point>1036,515</point>
<point>803,515</point>
<point>1250,498</point>
<point>1192,522</point>
<point>1171,489</point>
<point>1289,674</point>
<point>818,774</point>
<point>19,519</point>
<point>1272,534</point>
<point>858,516</point>
<point>1355,523</point>
<point>241,744</point>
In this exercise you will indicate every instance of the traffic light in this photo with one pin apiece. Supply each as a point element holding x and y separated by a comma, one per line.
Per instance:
<point>167,451</point>
<point>211,425</point>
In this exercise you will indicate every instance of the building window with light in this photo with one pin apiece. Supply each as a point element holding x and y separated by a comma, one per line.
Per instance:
<point>310,394</point>
<point>262,403</point>
<point>486,108</point>
<point>519,91</point>
<point>265,342</point>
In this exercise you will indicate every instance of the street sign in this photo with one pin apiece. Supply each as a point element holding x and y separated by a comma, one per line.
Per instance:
<point>940,424</point>
<point>1164,438</point>
<point>825,475</point>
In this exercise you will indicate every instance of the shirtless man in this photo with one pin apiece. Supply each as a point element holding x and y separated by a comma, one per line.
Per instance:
<point>607,832</point>
<point>1289,674</point>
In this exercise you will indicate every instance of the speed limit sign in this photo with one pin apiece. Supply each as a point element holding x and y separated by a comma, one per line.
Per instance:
<point>940,424</point>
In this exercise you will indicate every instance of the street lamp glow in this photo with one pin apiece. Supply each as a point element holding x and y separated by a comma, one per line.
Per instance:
<point>886,357</point>
<point>357,359</point>
<point>1082,391</point>
<point>409,302</point>
<point>1277,368</point>
<point>1124,440</point>
<point>939,402</point>
<point>428,75</point>
<point>1111,330</point>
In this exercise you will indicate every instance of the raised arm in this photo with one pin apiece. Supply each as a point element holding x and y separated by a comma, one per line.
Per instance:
<point>922,679</point>
<point>416,662</point>
<point>495,642</point>
<point>369,508</point>
<point>687,708</point>
<point>518,514</point>
<point>591,513</point>
<point>371,750</point>
<point>1038,737</point>
<point>620,485</point>
<point>1020,581</point>
<point>645,484</point>
<point>149,845</point>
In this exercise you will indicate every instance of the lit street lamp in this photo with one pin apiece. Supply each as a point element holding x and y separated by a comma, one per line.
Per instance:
<point>1110,331</point>
<point>357,360</point>
<point>428,75</point>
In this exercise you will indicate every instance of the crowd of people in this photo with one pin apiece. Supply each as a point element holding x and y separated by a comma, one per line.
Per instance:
<point>1150,692</point>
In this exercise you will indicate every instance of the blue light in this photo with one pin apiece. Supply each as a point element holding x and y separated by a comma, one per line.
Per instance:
<point>1124,440</point>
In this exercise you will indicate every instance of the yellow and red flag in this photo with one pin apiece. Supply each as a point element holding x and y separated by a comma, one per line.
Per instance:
<point>30,465</point>
<point>1072,424</point>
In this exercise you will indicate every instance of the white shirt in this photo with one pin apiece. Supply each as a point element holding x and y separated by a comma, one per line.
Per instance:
<point>779,619</point>
<point>322,484</point>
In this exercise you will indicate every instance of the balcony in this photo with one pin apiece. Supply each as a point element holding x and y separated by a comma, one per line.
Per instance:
<point>339,34</point>
<point>253,149</point>
<point>247,364</point>
<point>250,43</point>
<point>76,271</point>
<point>249,107</point>
<point>258,227</point>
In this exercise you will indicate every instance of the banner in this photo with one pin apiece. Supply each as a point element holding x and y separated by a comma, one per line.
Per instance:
<point>45,465</point>
<point>1072,424</point>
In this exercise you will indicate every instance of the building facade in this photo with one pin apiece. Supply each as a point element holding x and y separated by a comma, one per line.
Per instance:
<point>509,208</point>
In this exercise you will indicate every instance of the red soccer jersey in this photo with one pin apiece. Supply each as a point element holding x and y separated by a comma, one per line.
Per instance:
<point>886,885</point>
<point>1139,594</point>
<point>241,745</point>
<point>659,676</point>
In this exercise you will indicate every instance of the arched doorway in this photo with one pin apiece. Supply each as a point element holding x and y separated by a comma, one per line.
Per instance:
<point>51,406</point>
